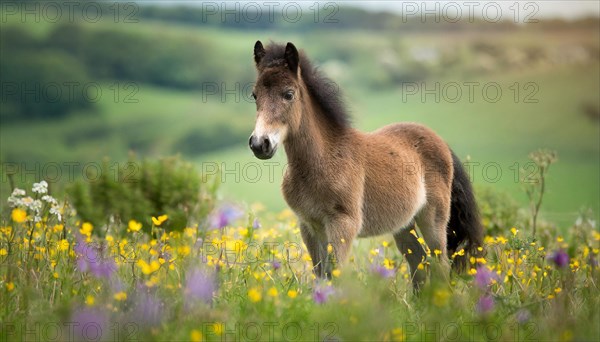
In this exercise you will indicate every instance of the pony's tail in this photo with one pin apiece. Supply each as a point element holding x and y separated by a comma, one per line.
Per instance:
<point>465,231</point>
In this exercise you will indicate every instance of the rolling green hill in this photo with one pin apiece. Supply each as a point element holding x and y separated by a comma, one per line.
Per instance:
<point>373,70</point>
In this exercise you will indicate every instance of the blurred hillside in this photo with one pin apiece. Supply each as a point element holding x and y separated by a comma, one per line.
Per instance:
<point>160,80</point>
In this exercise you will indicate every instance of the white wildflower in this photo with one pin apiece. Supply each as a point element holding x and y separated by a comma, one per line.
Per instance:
<point>55,210</point>
<point>40,188</point>
<point>27,201</point>
<point>36,205</point>
<point>17,192</point>
<point>15,200</point>
<point>49,199</point>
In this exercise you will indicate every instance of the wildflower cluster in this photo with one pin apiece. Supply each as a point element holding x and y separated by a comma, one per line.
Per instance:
<point>243,268</point>
<point>33,208</point>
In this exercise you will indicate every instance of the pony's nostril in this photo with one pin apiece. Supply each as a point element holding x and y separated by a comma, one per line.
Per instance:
<point>266,146</point>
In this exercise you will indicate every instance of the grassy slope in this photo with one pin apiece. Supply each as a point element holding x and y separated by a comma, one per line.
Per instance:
<point>503,132</point>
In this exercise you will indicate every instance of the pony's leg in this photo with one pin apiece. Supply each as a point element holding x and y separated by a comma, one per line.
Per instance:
<point>317,248</point>
<point>341,231</point>
<point>413,252</point>
<point>432,222</point>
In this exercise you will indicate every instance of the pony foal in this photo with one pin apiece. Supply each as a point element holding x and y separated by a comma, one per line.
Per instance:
<point>343,183</point>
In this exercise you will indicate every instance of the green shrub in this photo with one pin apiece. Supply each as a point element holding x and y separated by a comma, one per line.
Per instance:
<point>138,190</point>
<point>39,82</point>
<point>499,211</point>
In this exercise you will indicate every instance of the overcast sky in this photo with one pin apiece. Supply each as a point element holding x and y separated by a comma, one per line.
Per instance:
<point>545,8</point>
<point>565,9</point>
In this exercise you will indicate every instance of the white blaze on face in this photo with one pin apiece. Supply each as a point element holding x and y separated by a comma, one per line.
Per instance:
<point>275,133</point>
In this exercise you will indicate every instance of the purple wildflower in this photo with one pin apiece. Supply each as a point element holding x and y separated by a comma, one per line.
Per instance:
<point>484,277</point>
<point>90,259</point>
<point>321,293</point>
<point>523,316</point>
<point>89,325</point>
<point>104,268</point>
<point>148,310</point>
<point>276,265</point>
<point>560,258</point>
<point>223,216</point>
<point>383,271</point>
<point>485,304</point>
<point>200,285</point>
<point>256,224</point>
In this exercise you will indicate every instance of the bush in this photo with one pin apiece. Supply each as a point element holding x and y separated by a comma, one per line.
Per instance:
<point>138,190</point>
<point>39,84</point>
<point>499,211</point>
<point>159,58</point>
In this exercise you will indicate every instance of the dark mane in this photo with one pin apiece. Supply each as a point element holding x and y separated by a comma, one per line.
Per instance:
<point>324,91</point>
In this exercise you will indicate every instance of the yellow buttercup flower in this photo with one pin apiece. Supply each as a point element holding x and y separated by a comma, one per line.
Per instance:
<point>218,328</point>
<point>254,295</point>
<point>18,215</point>
<point>148,268</point>
<point>3,252</point>
<point>89,300</point>
<point>196,336</point>
<point>159,220</point>
<point>134,226</point>
<point>292,294</point>
<point>272,292</point>
<point>120,296</point>
<point>86,229</point>
<point>336,273</point>
<point>63,245</point>
<point>183,251</point>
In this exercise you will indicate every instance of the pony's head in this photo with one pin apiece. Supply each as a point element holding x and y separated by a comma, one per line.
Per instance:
<point>278,93</point>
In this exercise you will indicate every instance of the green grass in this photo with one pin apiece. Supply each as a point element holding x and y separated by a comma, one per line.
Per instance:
<point>44,285</point>
<point>504,133</point>
<point>210,284</point>
<point>165,121</point>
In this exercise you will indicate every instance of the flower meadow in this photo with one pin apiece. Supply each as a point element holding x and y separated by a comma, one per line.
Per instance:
<point>243,274</point>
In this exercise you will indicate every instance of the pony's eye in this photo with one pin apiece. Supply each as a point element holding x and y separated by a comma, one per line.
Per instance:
<point>254,96</point>
<point>288,95</point>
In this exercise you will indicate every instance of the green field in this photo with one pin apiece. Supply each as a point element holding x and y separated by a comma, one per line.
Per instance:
<point>503,133</point>
<point>168,253</point>
<point>206,127</point>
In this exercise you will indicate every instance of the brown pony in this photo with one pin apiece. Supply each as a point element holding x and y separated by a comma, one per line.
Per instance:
<point>343,183</point>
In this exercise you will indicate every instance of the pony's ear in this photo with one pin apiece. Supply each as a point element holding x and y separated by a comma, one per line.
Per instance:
<point>259,52</point>
<point>291,57</point>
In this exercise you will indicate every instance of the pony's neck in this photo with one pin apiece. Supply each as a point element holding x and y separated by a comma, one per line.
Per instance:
<point>310,143</point>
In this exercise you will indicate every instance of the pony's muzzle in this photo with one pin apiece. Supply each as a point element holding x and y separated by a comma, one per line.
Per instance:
<point>261,146</point>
